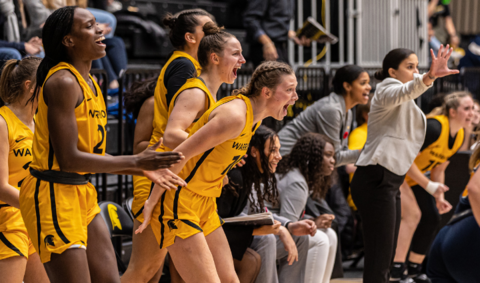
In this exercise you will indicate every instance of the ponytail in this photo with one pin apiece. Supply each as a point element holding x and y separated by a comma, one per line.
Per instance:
<point>451,101</point>
<point>14,74</point>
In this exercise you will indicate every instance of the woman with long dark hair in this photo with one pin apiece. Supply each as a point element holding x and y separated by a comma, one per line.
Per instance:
<point>396,131</point>
<point>306,172</point>
<point>19,262</point>
<point>255,183</point>
<point>332,116</point>
<point>57,201</point>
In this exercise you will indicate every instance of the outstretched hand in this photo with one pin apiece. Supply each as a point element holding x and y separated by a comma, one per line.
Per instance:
<point>439,67</point>
<point>150,159</point>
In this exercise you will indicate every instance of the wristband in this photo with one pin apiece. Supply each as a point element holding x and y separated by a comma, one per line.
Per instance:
<point>432,187</point>
<point>286,225</point>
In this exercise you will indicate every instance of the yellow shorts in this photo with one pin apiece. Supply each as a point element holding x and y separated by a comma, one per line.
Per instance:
<point>14,240</point>
<point>142,188</point>
<point>57,215</point>
<point>183,214</point>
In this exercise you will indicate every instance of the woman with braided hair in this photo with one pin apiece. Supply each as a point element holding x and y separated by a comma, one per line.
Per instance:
<point>189,221</point>
<point>57,201</point>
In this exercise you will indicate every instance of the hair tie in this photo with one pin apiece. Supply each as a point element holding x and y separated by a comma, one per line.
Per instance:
<point>18,62</point>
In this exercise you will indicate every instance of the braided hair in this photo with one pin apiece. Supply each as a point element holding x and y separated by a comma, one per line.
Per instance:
<point>268,75</point>
<point>307,156</point>
<point>181,23</point>
<point>57,26</point>
<point>252,178</point>
<point>14,74</point>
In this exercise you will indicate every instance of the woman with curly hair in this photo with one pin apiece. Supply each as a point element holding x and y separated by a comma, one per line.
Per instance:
<point>306,172</point>
<point>256,182</point>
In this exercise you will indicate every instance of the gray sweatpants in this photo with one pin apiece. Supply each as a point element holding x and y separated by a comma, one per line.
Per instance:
<point>271,249</point>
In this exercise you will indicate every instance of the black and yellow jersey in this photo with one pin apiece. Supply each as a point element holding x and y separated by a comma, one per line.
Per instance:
<point>163,100</point>
<point>204,173</point>
<point>91,116</point>
<point>191,83</point>
<point>20,139</point>
<point>438,151</point>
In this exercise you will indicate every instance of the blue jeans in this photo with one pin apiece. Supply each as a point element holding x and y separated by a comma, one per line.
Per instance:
<point>7,53</point>
<point>116,59</point>
<point>104,17</point>
<point>455,253</point>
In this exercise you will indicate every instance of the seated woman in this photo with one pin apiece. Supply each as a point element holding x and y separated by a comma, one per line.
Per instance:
<point>306,171</point>
<point>332,116</point>
<point>272,242</point>
<point>454,253</point>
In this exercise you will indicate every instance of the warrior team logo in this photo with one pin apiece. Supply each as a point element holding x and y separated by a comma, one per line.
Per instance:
<point>49,241</point>
<point>112,211</point>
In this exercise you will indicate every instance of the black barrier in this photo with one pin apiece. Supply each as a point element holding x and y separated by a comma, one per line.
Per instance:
<point>126,80</point>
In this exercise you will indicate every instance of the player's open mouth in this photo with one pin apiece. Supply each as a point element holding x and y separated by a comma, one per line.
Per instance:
<point>235,72</point>
<point>285,109</point>
<point>99,41</point>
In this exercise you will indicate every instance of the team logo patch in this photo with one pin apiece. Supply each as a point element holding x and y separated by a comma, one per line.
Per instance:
<point>49,241</point>
<point>112,212</point>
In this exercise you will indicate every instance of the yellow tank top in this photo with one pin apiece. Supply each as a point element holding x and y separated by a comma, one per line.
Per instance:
<point>191,83</point>
<point>204,173</point>
<point>438,152</point>
<point>162,107</point>
<point>20,139</point>
<point>91,116</point>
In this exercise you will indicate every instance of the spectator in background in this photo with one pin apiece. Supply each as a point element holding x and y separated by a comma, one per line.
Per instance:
<point>439,12</point>
<point>268,29</point>
<point>18,50</point>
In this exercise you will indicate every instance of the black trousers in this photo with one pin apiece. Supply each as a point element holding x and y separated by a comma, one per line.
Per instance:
<point>376,193</point>
<point>428,226</point>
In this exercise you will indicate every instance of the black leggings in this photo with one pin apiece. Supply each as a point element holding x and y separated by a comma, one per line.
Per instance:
<point>375,191</point>
<point>429,223</point>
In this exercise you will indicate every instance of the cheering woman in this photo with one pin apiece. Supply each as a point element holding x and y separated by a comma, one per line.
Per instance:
<point>396,131</point>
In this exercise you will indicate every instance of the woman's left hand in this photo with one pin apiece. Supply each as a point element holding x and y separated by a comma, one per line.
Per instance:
<point>439,67</point>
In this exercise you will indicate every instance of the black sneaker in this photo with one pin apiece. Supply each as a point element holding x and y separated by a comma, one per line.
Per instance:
<point>421,278</point>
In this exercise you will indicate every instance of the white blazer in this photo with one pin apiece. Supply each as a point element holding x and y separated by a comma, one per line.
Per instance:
<point>396,125</point>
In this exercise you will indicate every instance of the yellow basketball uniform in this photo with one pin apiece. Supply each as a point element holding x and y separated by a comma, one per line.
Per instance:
<point>142,186</point>
<point>193,209</point>
<point>14,240</point>
<point>356,141</point>
<point>438,152</point>
<point>57,206</point>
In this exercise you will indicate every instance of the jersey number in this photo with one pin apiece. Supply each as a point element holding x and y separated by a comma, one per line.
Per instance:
<point>97,149</point>
<point>431,165</point>
<point>235,161</point>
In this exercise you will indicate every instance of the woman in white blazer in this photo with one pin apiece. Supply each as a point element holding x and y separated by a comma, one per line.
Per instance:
<point>396,131</point>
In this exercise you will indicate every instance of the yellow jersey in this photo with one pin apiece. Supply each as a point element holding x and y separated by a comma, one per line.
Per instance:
<point>439,151</point>
<point>91,116</point>
<point>20,139</point>
<point>204,173</point>
<point>357,140</point>
<point>191,83</point>
<point>163,106</point>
